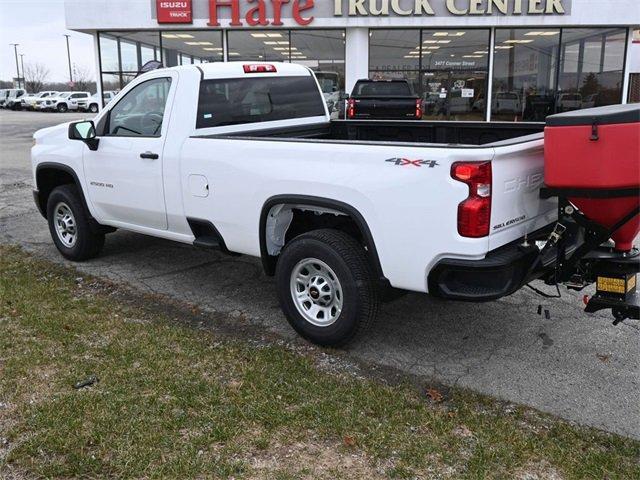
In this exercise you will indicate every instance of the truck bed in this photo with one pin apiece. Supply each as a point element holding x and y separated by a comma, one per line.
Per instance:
<point>401,132</point>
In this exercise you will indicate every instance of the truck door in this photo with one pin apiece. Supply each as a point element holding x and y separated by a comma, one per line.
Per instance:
<point>124,175</point>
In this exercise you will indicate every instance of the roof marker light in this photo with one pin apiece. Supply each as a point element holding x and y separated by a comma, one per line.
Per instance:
<point>259,68</point>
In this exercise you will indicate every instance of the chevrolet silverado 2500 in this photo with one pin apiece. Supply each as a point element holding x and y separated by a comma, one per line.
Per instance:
<point>245,159</point>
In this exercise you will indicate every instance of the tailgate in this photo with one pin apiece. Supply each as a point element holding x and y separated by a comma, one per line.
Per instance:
<point>392,107</point>
<point>518,174</point>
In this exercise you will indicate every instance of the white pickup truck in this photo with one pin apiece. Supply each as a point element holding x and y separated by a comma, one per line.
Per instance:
<point>245,159</point>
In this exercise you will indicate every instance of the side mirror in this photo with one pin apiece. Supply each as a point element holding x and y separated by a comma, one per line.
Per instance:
<point>84,131</point>
<point>344,96</point>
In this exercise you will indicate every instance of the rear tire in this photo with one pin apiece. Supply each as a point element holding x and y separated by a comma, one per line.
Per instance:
<point>69,225</point>
<point>93,108</point>
<point>326,287</point>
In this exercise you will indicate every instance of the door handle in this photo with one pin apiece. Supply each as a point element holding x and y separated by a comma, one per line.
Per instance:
<point>150,156</point>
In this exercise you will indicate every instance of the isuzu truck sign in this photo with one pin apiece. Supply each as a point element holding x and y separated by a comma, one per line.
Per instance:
<point>174,11</point>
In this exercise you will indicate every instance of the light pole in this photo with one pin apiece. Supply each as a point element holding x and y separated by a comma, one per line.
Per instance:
<point>15,49</point>
<point>24,80</point>
<point>69,59</point>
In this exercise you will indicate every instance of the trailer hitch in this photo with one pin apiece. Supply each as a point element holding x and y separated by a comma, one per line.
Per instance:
<point>594,261</point>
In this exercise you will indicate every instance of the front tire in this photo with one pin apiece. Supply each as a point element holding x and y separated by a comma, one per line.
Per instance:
<point>62,108</point>
<point>326,287</point>
<point>69,225</point>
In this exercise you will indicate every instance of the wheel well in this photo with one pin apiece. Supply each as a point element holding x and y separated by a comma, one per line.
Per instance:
<point>282,221</point>
<point>46,180</point>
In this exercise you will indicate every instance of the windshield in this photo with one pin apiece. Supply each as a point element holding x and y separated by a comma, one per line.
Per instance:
<point>64,95</point>
<point>382,89</point>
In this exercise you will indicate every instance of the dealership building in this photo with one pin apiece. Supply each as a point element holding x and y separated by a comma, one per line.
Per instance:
<point>531,58</point>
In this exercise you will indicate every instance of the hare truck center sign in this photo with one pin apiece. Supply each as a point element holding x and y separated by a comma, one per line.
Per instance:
<point>174,11</point>
<point>251,13</point>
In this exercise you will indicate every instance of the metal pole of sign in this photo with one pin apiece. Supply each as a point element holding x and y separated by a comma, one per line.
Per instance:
<point>24,80</point>
<point>15,49</point>
<point>69,59</point>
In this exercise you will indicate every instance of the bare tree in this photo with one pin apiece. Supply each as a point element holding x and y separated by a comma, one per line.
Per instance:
<point>35,75</point>
<point>82,78</point>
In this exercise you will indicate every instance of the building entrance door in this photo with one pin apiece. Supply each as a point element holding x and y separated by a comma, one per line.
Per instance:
<point>454,94</point>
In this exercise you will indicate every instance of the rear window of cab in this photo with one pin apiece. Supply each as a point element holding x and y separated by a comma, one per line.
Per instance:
<point>236,101</point>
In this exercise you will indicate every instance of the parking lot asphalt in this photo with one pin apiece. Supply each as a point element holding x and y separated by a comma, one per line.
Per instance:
<point>576,366</point>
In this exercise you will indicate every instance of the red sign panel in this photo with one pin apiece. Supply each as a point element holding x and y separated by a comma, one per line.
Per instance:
<point>174,11</point>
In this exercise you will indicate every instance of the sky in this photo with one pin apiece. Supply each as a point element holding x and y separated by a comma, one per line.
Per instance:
<point>38,26</point>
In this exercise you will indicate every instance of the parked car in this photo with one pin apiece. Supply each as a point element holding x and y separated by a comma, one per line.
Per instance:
<point>13,98</point>
<point>24,99</point>
<point>384,99</point>
<point>66,101</point>
<point>330,85</point>
<point>538,107</point>
<point>338,210</point>
<point>569,101</point>
<point>506,102</point>
<point>94,105</point>
<point>108,96</point>
<point>30,101</point>
<point>593,100</point>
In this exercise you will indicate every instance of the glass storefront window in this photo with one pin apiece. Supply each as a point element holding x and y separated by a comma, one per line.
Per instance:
<point>446,67</point>
<point>181,47</point>
<point>532,81</point>
<point>109,54</point>
<point>324,52</point>
<point>258,45</point>
<point>122,55</point>
<point>524,74</point>
<point>394,50</point>
<point>591,66</point>
<point>147,54</point>
<point>454,73</point>
<point>129,56</point>
<point>110,82</point>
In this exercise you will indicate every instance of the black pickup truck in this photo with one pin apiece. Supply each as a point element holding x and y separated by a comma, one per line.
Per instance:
<point>384,100</point>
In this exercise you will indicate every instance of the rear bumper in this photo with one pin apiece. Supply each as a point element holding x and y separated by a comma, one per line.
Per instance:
<point>499,274</point>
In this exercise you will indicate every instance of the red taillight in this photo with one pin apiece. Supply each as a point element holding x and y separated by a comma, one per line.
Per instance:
<point>474,214</point>
<point>259,68</point>
<point>351,108</point>
<point>419,109</point>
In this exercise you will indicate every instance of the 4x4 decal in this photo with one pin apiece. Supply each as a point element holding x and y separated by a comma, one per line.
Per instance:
<point>405,162</point>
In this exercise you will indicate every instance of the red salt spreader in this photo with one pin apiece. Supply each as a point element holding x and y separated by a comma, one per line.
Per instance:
<point>592,165</point>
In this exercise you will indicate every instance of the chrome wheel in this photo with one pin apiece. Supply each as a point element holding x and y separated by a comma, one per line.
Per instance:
<point>65,224</point>
<point>316,292</point>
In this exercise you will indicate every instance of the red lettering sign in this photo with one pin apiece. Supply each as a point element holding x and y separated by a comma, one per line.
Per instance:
<point>257,14</point>
<point>174,11</point>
